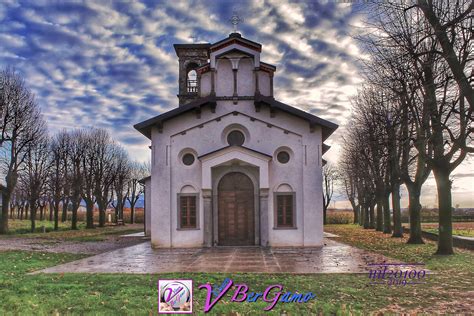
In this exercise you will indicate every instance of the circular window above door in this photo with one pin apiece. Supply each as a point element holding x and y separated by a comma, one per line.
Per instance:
<point>188,159</point>
<point>235,138</point>
<point>283,157</point>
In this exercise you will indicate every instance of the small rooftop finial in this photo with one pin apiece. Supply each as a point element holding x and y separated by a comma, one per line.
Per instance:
<point>194,38</point>
<point>235,20</point>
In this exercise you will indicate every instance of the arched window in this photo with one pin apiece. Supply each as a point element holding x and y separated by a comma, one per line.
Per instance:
<point>192,83</point>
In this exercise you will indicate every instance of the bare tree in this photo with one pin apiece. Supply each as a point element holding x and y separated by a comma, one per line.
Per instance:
<point>443,132</point>
<point>348,184</point>
<point>329,177</point>
<point>21,124</point>
<point>68,174</point>
<point>134,188</point>
<point>103,162</point>
<point>355,160</point>
<point>452,24</point>
<point>94,143</point>
<point>35,175</point>
<point>369,124</point>
<point>123,172</point>
<point>59,149</point>
<point>75,176</point>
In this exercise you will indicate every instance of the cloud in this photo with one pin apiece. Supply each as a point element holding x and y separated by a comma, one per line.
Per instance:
<point>112,64</point>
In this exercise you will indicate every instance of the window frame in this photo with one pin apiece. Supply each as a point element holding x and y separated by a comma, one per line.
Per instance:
<point>275,210</point>
<point>190,88</point>
<point>196,196</point>
<point>236,131</point>
<point>184,155</point>
<point>283,151</point>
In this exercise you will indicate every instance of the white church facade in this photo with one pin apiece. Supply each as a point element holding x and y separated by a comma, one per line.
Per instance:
<point>232,166</point>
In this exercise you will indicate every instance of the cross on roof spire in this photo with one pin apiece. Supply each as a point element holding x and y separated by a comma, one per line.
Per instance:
<point>235,20</point>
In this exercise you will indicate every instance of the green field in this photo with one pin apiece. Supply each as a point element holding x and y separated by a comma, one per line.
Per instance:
<point>21,228</point>
<point>342,294</point>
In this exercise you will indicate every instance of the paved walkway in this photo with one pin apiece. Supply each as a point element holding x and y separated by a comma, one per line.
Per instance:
<point>334,257</point>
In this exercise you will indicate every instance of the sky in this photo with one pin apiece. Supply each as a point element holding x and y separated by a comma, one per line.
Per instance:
<point>111,64</point>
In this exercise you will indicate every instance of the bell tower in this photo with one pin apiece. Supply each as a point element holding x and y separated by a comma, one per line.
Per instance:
<point>191,57</point>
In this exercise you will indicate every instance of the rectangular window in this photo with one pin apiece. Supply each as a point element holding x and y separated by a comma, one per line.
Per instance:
<point>187,211</point>
<point>285,210</point>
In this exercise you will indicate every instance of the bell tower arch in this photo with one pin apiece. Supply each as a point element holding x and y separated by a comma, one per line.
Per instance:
<point>191,57</point>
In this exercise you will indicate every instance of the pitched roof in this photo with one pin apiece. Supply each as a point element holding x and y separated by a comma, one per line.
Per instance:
<point>328,127</point>
<point>236,38</point>
<point>146,126</point>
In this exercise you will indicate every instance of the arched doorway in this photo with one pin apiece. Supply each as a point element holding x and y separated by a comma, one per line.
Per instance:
<point>236,210</point>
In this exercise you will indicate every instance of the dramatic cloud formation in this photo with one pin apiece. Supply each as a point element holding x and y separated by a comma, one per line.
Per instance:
<point>111,64</point>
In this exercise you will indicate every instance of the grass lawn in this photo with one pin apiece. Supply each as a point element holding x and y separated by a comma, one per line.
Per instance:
<point>21,228</point>
<point>16,226</point>
<point>465,229</point>
<point>449,290</point>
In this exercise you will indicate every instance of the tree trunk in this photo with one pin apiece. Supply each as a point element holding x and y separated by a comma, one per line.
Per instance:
<point>445,231</point>
<point>387,226</point>
<point>379,223</point>
<point>64,212</point>
<point>33,217</point>
<point>102,210</point>
<point>132,214</point>
<point>365,210</point>
<point>356,215</point>
<point>4,216</point>
<point>354,209</point>
<point>56,214</point>
<point>41,212</point>
<point>397,216</point>
<point>414,210</point>
<point>372,214</point>
<point>89,214</point>
<point>75,206</point>
<point>361,215</point>
<point>51,212</point>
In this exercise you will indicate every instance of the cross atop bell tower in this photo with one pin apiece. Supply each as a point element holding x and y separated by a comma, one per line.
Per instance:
<point>235,19</point>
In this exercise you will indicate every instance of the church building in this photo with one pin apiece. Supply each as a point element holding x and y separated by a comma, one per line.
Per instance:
<point>231,165</point>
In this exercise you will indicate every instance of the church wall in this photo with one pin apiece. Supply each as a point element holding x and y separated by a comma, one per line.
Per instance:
<point>225,78</point>
<point>312,182</point>
<point>264,83</point>
<point>281,119</point>
<point>148,207</point>
<point>245,78</point>
<point>160,191</point>
<point>289,174</point>
<point>169,178</point>
<point>205,84</point>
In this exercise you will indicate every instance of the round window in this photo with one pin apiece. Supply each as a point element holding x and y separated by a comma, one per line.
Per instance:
<point>188,159</point>
<point>283,157</point>
<point>235,138</point>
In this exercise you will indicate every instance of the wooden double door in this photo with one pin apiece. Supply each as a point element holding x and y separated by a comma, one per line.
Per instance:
<point>236,210</point>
